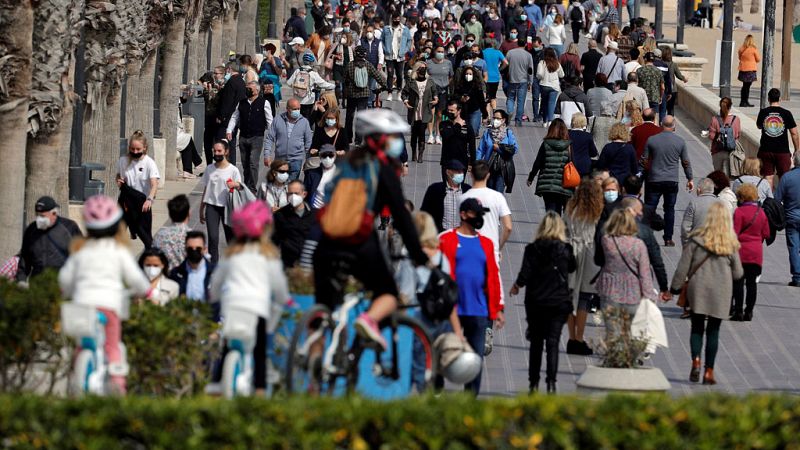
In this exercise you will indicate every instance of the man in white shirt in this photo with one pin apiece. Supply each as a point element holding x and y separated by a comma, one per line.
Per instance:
<point>633,65</point>
<point>252,131</point>
<point>635,92</point>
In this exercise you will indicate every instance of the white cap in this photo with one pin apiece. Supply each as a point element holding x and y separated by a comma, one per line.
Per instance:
<point>613,45</point>
<point>657,52</point>
<point>297,41</point>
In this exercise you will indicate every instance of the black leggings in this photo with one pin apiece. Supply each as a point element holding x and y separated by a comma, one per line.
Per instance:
<point>554,202</point>
<point>751,272</point>
<point>545,326</point>
<point>745,94</point>
<point>418,138</point>
<point>711,331</point>
<point>671,103</point>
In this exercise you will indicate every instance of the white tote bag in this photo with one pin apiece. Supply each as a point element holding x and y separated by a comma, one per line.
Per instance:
<point>649,323</point>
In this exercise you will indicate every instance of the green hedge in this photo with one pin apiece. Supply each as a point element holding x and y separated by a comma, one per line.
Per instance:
<point>448,422</point>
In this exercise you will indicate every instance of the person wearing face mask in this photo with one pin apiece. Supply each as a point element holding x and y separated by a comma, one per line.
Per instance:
<point>317,179</point>
<point>318,14</point>
<point>469,90</point>
<point>442,199</point>
<point>137,179</point>
<point>511,41</point>
<point>464,50</point>
<point>383,144</point>
<point>498,147</point>
<point>357,90</point>
<point>396,43</point>
<point>193,275</point>
<point>474,59</point>
<point>420,97</point>
<point>289,139</point>
<point>495,26</point>
<point>534,13</point>
<point>375,56</point>
<point>273,189</point>
<point>218,180</point>
<point>154,264</point>
<point>519,20</point>
<point>304,93</point>
<point>253,117</point>
<point>293,223</point>
<point>518,76</point>
<point>45,243</point>
<point>233,92</point>
<point>212,83</point>
<point>474,26</point>
<point>495,63</point>
<point>328,132</point>
<point>472,261</point>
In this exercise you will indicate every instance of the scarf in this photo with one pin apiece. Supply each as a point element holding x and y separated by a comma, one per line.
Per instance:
<point>498,134</point>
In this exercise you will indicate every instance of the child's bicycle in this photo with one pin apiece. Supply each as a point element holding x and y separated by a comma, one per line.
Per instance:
<point>91,370</point>
<point>239,330</point>
<point>326,356</point>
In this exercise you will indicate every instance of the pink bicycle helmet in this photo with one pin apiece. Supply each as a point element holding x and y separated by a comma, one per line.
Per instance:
<point>101,212</point>
<point>250,220</point>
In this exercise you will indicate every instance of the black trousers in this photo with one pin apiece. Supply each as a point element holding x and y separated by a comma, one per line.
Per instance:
<point>209,136</point>
<point>143,228</point>
<point>745,92</point>
<point>395,69</point>
<point>190,157</point>
<point>576,31</point>
<point>305,111</point>
<point>751,272</point>
<point>545,325</point>
<point>353,105</point>
<point>418,139</point>
<point>671,103</point>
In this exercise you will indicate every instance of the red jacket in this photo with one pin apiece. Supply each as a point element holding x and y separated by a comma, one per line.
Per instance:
<point>640,134</point>
<point>448,244</point>
<point>752,238</point>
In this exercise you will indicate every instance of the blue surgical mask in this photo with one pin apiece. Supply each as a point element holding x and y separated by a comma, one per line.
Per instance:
<point>458,178</point>
<point>513,35</point>
<point>396,146</point>
<point>330,122</point>
<point>610,196</point>
<point>227,76</point>
<point>294,114</point>
<point>346,29</point>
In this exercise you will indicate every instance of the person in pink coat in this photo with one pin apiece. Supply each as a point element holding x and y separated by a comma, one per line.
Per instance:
<point>752,228</point>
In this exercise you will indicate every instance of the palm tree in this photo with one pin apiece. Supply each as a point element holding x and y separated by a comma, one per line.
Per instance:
<point>246,30</point>
<point>16,48</point>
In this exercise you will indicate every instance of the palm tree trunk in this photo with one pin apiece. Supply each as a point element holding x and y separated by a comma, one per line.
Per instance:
<point>110,142</point>
<point>141,98</point>
<point>228,34</point>
<point>17,44</point>
<point>93,128</point>
<point>246,28</point>
<point>201,53</point>
<point>172,71</point>
<point>216,42</point>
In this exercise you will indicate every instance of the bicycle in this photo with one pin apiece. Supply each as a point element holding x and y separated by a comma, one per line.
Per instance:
<point>325,349</point>
<point>91,370</point>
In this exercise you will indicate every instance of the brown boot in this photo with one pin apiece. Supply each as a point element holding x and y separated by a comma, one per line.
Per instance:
<point>708,376</point>
<point>694,375</point>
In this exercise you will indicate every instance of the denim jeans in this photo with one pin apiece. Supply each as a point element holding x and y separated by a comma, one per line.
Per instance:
<point>631,5</point>
<point>250,149</point>
<point>295,166</point>
<point>516,100</point>
<point>418,361</point>
<point>475,122</point>
<point>373,84</point>
<point>652,195</point>
<point>536,94</point>
<point>550,98</point>
<point>496,182</point>
<point>558,48</point>
<point>475,332</point>
<point>662,107</point>
<point>793,244</point>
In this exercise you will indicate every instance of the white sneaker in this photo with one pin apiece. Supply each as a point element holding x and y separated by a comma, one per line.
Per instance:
<point>430,139</point>
<point>438,139</point>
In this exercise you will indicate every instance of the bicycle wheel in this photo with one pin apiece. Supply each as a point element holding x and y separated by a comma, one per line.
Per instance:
<point>83,368</point>
<point>231,367</point>
<point>311,337</point>
<point>376,374</point>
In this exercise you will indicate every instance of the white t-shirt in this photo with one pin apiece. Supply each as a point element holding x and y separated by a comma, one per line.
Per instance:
<point>498,207</point>
<point>632,66</point>
<point>216,183</point>
<point>137,174</point>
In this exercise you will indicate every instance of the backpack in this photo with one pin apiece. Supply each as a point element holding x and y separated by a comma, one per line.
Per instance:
<point>347,215</point>
<point>775,216</point>
<point>440,295</point>
<point>302,83</point>
<point>361,77</point>
<point>575,15</point>
<point>725,138</point>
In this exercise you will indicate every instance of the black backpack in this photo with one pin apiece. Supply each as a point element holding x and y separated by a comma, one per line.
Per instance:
<point>775,216</point>
<point>439,297</point>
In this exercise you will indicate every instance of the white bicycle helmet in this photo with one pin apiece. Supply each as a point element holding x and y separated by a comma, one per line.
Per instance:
<point>380,121</point>
<point>457,361</point>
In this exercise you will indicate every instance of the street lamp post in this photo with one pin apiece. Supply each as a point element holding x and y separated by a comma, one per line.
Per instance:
<point>726,50</point>
<point>769,50</point>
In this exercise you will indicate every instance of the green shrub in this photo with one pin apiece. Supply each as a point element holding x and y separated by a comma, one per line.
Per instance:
<point>449,422</point>
<point>169,347</point>
<point>34,355</point>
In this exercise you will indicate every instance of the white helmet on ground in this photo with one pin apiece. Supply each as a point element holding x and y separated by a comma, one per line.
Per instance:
<point>380,121</point>
<point>457,361</point>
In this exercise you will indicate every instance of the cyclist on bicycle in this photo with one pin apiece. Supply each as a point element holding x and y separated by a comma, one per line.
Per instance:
<point>363,259</point>
<point>102,272</point>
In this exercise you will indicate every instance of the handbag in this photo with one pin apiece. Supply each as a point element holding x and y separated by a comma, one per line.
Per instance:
<point>683,298</point>
<point>571,178</point>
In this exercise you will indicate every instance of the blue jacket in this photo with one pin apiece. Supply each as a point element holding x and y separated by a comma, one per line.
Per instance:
<point>405,42</point>
<point>280,145</point>
<point>788,193</point>
<point>486,145</point>
<point>534,14</point>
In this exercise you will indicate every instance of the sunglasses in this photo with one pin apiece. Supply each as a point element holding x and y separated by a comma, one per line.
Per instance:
<point>198,249</point>
<point>281,171</point>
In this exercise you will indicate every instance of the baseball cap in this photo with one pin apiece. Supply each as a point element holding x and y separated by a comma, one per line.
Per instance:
<point>455,164</point>
<point>657,52</point>
<point>474,205</point>
<point>45,204</point>
<point>297,41</point>
<point>327,149</point>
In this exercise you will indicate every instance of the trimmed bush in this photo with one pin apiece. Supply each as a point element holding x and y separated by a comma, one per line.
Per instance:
<point>449,422</point>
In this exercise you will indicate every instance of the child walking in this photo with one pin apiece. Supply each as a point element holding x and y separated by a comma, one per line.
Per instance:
<point>101,271</point>
<point>546,265</point>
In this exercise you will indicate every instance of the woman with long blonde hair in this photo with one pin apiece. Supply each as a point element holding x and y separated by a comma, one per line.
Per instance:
<point>581,216</point>
<point>630,114</point>
<point>709,265</point>
<point>748,66</point>
<point>546,265</point>
<point>137,179</point>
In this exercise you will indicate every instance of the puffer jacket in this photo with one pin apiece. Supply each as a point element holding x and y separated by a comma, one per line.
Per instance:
<point>549,165</point>
<point>546,265</point>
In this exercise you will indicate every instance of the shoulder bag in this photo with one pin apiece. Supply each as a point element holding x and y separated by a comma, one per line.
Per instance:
<point>570,178</point>
<point>683,298</point>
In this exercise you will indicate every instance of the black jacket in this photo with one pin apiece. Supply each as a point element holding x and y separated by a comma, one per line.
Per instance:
<point>295,27</point>
<point>180,275</point>
<point>546,265</point>
<point>433,201</point>
<point>458,142</point>
<point>229,97</point>
<point>45,249</point>
<point>291,231</point>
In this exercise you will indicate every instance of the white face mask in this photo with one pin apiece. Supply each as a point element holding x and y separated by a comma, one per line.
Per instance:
<point>153,272</point>
<point>296,200</point>
<point>370,35</point>
<point>327,162</point>
<point>282,177</point>
<point>497,122</point>
<point>468,77</point>
<point>42,222</point>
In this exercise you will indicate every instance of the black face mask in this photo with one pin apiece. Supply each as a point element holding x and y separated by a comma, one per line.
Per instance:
<point>194,255</point>
<point>421,75</point>
<point>396,23</point>
<point>219,158</point>
<point>476,222</point>
<point>135,155</point>
<point>251,92</point>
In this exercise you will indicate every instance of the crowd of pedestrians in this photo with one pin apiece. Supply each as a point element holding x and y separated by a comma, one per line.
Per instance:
<point>609,120</point>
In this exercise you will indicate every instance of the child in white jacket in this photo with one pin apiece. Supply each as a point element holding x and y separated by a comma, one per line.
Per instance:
<point>101,272</point>
<point>251,278</point>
